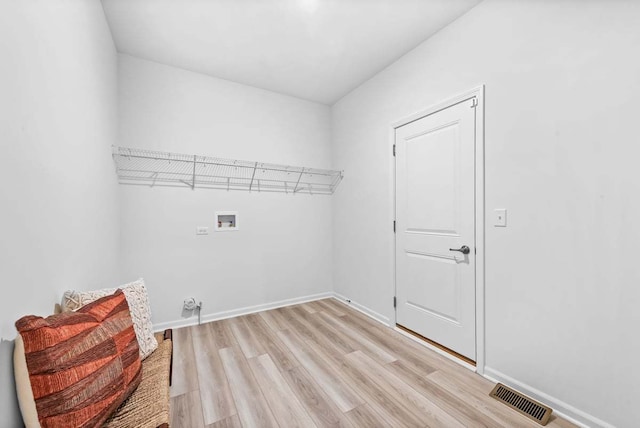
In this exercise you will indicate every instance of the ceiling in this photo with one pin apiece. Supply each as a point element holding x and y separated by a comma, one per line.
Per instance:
<point>317,50</point>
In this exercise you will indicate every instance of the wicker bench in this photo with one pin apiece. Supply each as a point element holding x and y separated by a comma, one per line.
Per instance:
<point>148,406</point>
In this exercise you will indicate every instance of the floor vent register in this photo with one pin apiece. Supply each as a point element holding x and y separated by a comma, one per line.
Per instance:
<point>521,403</point>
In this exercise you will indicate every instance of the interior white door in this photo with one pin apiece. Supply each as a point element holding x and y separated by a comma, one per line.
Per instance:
<point>435,217</point>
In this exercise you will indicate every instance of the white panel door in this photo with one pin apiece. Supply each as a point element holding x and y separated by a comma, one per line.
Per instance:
<point>435,215</point>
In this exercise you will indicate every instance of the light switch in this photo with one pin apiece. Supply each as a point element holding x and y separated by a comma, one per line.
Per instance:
<point>202,230</point>
<point>500,217</point>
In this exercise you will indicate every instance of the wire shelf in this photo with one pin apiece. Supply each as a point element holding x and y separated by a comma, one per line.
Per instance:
<point>147,167</point>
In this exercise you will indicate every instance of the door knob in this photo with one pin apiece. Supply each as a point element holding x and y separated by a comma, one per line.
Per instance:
<point>464,249</point>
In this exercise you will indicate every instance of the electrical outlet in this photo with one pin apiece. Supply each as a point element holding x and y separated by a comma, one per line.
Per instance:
<point>202,230</point>
<point>190,304</point>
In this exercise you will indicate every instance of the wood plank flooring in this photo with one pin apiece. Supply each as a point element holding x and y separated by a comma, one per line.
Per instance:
<point>323,364</point>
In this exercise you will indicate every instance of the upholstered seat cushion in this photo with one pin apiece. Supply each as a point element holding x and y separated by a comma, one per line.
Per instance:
<point>74,369</point>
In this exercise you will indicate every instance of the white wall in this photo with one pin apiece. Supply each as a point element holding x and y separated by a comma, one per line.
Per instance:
<point>59,205</point>
<point>562,106</point>
<point>282,249</point>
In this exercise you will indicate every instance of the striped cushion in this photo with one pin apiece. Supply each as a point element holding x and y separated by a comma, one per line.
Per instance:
<point>138,300</point>
<point>82,365</point>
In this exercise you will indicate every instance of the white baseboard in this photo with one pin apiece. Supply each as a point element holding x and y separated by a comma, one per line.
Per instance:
<point>372,314</point>
<point>239,312</point>
<point>559,407</point>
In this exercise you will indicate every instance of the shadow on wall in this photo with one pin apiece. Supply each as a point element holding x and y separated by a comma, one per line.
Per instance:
<point>8,400</point>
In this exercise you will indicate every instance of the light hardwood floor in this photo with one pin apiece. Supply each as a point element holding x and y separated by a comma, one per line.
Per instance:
<point>323,364</point>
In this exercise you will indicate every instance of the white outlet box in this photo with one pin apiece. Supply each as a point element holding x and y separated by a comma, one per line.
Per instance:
<point>202,230</point>
<point>227,221</point>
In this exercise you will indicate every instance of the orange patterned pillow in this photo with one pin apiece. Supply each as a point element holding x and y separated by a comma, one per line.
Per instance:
<point>81,365</point>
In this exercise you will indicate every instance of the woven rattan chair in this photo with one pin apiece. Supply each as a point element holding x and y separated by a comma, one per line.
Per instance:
<point>148,406</point>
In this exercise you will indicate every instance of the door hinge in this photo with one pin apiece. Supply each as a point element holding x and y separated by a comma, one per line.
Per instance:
<point>394,301</point>
<point>394,149</point>
<point>394,226</point>
<point>474,102</point>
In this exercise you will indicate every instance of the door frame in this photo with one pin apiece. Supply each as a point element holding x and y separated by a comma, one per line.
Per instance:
<point>478,94</point>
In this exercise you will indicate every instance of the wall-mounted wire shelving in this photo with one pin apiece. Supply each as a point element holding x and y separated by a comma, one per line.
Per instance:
<point>147,167</point>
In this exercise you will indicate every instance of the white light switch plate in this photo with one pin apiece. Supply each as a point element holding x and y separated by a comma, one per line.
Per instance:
<point>500,217</point>
<point>202,230</point>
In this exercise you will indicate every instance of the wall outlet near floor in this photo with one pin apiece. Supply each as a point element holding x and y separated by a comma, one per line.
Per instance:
<point>202,230</point>
<point>190,304</point>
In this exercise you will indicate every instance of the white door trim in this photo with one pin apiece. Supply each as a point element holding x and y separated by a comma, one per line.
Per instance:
<point>478,94</point>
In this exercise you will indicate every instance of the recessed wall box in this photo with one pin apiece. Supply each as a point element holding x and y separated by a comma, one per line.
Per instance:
<point>226,221</point>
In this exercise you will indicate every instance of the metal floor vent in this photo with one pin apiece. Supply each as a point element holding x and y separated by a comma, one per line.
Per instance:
<point>523,404</point>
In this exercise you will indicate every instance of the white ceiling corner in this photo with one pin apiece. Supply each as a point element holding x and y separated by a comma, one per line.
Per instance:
<point>317,50</point>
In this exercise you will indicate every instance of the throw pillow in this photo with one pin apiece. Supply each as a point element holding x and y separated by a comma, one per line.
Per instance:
<point>138,299</point>
<point>80,366</point>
